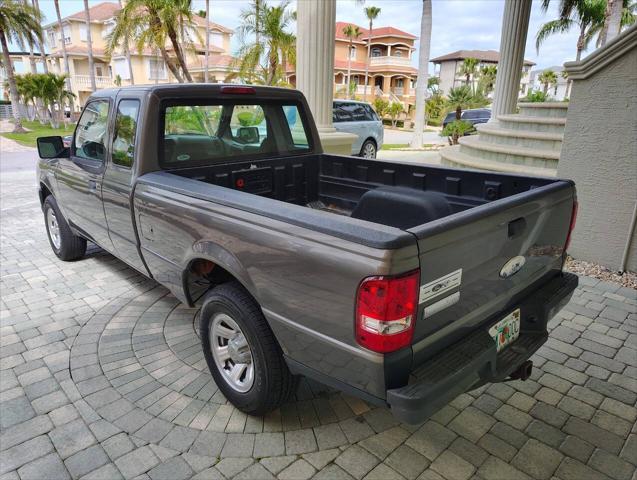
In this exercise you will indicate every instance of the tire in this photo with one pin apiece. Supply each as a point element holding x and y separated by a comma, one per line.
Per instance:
<point>64,243</point>
<point>271,382</point>
<point>369,149</point>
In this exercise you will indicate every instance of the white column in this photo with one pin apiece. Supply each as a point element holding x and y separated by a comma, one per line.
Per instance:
<point>315,42</point>
<point>515,25</point>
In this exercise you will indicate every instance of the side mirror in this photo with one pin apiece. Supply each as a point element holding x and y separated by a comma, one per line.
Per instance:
<point>248,135</point>
<point>52,147</point>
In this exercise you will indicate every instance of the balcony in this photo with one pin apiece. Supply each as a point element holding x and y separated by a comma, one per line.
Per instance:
<point>83,82</point>
<point>391,60</point>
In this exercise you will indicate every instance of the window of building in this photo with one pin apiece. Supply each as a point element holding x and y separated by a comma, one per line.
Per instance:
<point>67,35</point>
<point>352,53</point>
<point>216,39</point>
<point>108,28</point>
<point>376,52</point>
<point>125,132</point>
<point>51,38</point>
<point>83,34</point>
<point>99,70</point>
<point>398,53</point>
<point>121,68</point>
<point>91,131</point>
<point>156,69</point>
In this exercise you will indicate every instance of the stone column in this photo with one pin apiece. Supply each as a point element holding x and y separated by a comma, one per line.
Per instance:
<point>315,42</point>
<point>515,25</point>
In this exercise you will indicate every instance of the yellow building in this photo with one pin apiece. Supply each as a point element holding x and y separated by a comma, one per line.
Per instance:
<point>391,73</point>
<point>147,65</point>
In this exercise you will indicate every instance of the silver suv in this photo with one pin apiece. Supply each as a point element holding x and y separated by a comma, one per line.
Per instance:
<point>360,119</point>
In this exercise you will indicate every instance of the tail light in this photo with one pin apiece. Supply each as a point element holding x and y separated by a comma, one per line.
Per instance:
<point>571,227</point>
<point>386,309</point>
<point>238,90</point>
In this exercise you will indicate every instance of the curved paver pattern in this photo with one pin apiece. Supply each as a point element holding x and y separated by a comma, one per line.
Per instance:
<point>102,376</point>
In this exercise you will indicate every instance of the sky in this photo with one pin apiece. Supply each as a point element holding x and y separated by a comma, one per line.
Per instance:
<point>457,24</point>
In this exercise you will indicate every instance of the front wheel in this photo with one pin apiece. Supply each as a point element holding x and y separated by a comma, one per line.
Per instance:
<point>368,150</point>
<point>64,243</point>
<point>241,351</point>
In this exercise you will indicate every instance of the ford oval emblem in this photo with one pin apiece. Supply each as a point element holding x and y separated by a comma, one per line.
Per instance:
<point>513,266</point>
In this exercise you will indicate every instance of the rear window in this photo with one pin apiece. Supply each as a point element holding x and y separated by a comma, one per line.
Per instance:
<point>198,134</point>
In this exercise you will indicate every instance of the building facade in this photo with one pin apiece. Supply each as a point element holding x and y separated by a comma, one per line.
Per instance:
<point>448,68</point>
<point>391,73</point>
<point>147,65</point>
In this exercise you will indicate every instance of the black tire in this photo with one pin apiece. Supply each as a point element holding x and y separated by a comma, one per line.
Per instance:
<point>71,247</point>
<point>369,145</point>
<point>272,382</point>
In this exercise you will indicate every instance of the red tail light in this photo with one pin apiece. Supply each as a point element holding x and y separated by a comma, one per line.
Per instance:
<point>386,311</point>
<point>238,90</point>
<point>572,225</point>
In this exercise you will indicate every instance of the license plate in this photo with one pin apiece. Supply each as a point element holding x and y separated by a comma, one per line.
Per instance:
<point>507,330</point>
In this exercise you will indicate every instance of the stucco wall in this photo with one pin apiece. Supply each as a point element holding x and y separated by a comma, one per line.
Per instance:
<point>600,152</point>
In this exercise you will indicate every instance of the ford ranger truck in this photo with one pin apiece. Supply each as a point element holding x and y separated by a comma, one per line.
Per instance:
<point>402,284</point>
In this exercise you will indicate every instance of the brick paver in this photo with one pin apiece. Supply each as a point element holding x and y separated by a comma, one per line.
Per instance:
<point>102,376</point>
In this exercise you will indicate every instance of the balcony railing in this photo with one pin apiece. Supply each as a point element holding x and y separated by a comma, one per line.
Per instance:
<point>84,81</point>
<point>390,60</point>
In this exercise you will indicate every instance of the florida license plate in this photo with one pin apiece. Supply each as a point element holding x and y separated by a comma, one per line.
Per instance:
<point>507,330</point>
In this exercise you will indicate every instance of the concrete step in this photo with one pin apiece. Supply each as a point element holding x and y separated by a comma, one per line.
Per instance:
<point>454,157</point>
<point>544,109</point>
<point>494,133</point>
<point>532,123</point>
<point>531,157</point>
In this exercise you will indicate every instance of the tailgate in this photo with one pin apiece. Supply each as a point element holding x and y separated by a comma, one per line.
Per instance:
<point>476,263</point>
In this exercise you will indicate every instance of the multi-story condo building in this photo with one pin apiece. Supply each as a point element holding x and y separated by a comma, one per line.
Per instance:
<point>448,68</point>
<point>391,73</point>
<point>147,65</point>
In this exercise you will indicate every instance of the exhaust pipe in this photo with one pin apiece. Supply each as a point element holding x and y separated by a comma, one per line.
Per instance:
<point>523,372</point>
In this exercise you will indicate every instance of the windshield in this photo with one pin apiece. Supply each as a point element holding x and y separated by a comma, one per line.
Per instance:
<point>196,134</point>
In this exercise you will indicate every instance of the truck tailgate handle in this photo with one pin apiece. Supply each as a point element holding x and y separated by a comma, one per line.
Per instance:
<point>516,227</point>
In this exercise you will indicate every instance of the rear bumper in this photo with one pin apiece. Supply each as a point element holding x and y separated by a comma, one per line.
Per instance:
<point>474,360</point>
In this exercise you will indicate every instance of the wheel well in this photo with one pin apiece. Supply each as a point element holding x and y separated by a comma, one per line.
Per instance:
<point>44,192</point>
<point>371,139</point>
<point>201,275</point>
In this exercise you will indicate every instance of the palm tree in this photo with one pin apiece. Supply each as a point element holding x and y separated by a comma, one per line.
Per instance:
<point>205,74</point>
<point>423,71</point>
<point>173,15</point>
<point>587,15</point>
<point>487,78</point>
<point>352,32</point>
<point>371,13</point>
<point>145,30</point>
<point>547,78</point>
<point>567,93</point>
<point>31,56</point>
<point>89,44</point>
<point>67,71</point>
<point>459,98</point>
<point>469,69</point>
<point>19,22</point>
<point>127,53</point>
<point>45,66</point>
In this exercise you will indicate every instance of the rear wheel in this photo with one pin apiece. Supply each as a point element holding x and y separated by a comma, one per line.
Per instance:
<point>368,150</point>
<point>66,245</point>
<point>241,351</point>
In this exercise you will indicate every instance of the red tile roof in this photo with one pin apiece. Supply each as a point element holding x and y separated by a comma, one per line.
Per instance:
<point>482,55</point>
<point>202,22</point>
<point>376,32</point>
<point>100,12</point>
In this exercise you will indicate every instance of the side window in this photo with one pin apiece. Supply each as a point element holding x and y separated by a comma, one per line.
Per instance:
<point>341,115</point>
<point>92,130</point>
<point>124,136</point>
<point>371,114</point>
<point>293,118</point>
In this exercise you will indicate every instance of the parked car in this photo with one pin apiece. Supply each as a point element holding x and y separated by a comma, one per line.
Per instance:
<point>473,116</point>
<point>403,284</point>
<point>360,119</point>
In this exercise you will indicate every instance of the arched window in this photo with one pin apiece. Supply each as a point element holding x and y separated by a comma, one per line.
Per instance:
<point>398,53</point>
<point>376,52</point>
<point>352,53</point>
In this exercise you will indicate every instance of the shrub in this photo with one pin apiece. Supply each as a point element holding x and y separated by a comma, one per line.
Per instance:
<point>455,130</point>
<point>381,106</point>
<point>535,96</point>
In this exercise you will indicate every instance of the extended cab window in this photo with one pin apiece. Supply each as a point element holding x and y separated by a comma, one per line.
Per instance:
<point>124,136</point>
<point>204,134</point>
<point>92,130</point>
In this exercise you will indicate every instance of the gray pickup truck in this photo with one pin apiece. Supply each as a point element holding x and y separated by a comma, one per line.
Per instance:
<point>403,284</point>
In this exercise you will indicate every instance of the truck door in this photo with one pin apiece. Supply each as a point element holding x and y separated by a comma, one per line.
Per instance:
<point>117,185</point>
<point>79,177</point>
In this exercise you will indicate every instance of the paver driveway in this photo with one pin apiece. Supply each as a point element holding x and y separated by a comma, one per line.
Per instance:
<point>102,377</point>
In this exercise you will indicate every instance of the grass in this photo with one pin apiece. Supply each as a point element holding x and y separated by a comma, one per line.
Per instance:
<point>37,130</point>
<point>390,146</point>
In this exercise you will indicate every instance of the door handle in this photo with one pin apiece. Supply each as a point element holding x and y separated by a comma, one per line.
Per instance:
<point>92,185</point>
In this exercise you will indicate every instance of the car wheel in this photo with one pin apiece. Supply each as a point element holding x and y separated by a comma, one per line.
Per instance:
<point>241,351</point>
<point>368,150</point>
<point>64,243</point>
